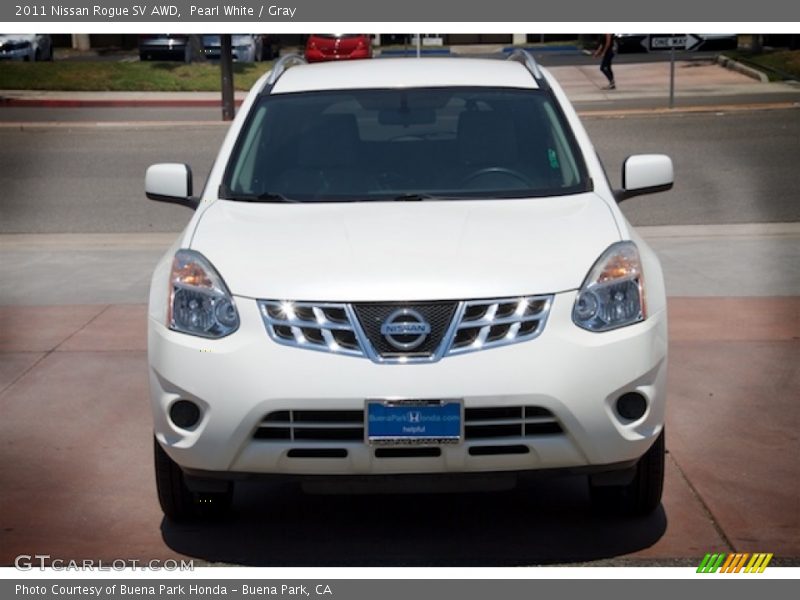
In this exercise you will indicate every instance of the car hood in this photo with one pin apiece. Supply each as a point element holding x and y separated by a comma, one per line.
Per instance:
<point>385,251</point>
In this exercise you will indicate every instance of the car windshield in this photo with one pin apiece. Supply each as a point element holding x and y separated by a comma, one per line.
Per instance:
<point>399,144</point>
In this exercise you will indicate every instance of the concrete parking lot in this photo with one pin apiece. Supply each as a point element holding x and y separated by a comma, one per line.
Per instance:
<point>78,481</point>
<point>76,476</point>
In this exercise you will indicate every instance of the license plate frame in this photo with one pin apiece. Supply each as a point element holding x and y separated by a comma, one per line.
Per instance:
<point>413,422</point>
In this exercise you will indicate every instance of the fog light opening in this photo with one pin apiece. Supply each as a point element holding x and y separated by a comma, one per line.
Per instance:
<point>184,414</point>
<point>631,406</point>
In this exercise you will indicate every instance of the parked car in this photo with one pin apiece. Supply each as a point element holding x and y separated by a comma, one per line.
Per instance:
<point>407,272</point>
<point>165,46</point>
<point>338,46</point>
<point>244,47</point>
<point>29,47</point>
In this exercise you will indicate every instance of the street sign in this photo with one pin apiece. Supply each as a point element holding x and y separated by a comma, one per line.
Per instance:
<point>671,42</point>
<point>682,41</point>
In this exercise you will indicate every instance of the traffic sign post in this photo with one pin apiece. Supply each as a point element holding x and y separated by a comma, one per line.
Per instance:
<point>672,42</point>
<point>226,68</point>
<point>672,77</point>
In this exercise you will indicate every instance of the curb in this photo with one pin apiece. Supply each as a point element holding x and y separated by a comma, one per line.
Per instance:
<point>89,103</point>
<point>733,65</point>
<point>678,110</point>
<point>567,49</point>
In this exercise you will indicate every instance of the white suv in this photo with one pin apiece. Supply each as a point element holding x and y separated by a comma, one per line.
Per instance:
<point>404,273</point>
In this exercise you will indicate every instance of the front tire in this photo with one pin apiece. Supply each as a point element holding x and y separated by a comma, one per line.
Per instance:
<point>642,495</point>
<point>177,501</point>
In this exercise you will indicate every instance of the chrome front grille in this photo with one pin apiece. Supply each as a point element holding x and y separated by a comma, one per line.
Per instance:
<point>439,315</point>
<point>405,332</point>
<point>490,323</point>
<point>480,423</point>
<point>314,325</point>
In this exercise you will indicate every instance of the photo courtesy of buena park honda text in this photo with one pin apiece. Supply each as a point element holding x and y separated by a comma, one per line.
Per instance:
<point>486,300</point>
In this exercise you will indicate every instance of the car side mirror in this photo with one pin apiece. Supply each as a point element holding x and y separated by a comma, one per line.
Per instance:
<point>645,174</point>
<point>170,182</point>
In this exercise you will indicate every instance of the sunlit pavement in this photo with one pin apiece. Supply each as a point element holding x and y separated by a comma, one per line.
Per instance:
<point>76,458</point>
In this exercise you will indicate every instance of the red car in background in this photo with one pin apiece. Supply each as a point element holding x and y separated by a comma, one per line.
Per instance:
<point>338,46</point>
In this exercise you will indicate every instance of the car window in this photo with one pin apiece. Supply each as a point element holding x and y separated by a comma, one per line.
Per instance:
<point>383,144</point>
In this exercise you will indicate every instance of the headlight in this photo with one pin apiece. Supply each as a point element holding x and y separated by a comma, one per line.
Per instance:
<point>612,295</point>
<point>199,302</point>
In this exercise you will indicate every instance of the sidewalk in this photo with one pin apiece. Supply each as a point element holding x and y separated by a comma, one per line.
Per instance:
<point>583,84</point>
<point>651,80</point>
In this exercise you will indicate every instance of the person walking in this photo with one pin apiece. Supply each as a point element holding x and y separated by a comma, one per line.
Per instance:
<point>606,50</point>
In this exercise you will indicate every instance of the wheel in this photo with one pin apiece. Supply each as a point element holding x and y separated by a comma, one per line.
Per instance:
<point>496,171</point>
<point>177,501</point>
<point>643,494</point>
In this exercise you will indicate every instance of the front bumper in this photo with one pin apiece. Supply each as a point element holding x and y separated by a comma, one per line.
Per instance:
<point>574,374</point>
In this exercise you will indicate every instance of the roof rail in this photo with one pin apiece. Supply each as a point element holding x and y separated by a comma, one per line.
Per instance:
<point>526,58</point>
<point>280,67</point>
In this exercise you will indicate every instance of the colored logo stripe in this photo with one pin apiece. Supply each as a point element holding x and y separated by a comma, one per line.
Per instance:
<point>728,562</point>
<point>734,563</point>
<point>703,563</point>
<point>758,563</point>
<point>710,563</point>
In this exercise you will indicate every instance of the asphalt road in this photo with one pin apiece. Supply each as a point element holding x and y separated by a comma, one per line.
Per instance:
<point>25,114</point>
<point>735,167</point>
<point>31,114</point>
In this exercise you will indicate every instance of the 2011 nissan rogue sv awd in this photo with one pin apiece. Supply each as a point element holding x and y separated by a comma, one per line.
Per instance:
<point>408,269</point>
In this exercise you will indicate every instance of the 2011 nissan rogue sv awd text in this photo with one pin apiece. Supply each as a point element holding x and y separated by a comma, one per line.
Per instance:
<point>408,270</point>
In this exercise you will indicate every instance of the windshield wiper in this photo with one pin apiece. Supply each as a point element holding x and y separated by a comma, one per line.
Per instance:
<point>414,197</point>
<point>265,197</point>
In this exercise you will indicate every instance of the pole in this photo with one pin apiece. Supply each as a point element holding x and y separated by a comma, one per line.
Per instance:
<point>419,45</point>
<point>226,67</point>
<point>80,41</point>
<point>672,77</point>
